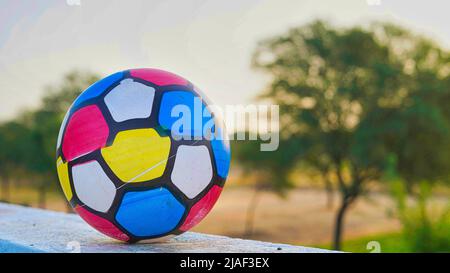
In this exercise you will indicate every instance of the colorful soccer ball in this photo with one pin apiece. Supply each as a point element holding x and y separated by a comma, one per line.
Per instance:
<point>133,160</point>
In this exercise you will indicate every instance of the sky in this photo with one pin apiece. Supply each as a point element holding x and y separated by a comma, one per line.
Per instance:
<point>209,42</point>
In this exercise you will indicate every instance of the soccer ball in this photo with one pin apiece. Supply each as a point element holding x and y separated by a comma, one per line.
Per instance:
<point>131,163</point>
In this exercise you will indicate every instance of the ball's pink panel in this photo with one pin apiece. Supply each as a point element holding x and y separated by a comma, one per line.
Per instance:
<point>201,208</point>
<point>158,77</point>
<point>101,224</point>
<point>86,131</point>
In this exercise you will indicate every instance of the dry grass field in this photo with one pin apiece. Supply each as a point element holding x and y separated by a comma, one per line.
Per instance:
<point>301,218</point>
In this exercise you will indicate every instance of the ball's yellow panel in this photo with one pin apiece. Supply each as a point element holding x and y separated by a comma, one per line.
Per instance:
<point>137,155</point>
<point>63,175</point>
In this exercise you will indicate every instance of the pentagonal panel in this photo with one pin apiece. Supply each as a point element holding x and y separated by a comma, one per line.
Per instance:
<point>138,155</point>
<point>130,100</point>
<point>86,131</point>
<point>192,170</point>
<point>92,186</point>
<point>149,213</point>
<point>63,176</point>
<point>201,208</point>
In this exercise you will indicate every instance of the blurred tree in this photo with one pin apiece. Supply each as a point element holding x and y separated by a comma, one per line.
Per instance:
<point>352,97</point>
<point>30,140</point>
<point>12,137</point>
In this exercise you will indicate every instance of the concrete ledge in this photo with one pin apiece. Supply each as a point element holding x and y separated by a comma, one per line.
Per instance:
<point>25,229</point>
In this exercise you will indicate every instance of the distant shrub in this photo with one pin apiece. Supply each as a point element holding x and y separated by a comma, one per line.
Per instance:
<point>426,228</point>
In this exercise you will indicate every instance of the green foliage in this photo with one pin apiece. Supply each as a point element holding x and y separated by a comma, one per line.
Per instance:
<point>14,138</point>
<point>389,243</point>
<point>352,98</point>
<point>425,228</point>
<point>356,95</point>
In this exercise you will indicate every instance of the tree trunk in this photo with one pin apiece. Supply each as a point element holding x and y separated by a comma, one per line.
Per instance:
<point>250,215</point>
<point>329,192</point>
<point>339,224</point>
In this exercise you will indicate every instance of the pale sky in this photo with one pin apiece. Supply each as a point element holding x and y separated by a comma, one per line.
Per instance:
<point>209,42</point>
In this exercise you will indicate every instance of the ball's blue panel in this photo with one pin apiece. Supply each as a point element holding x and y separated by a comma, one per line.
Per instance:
<point>184,114</point>
<point>222,154</point>
<point>149,213</point>
<point>97,88</point>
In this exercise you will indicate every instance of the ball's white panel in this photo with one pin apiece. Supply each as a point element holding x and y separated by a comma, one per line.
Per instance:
<point>92,186</point>
<point>192,170</point>
<point>130,100</point>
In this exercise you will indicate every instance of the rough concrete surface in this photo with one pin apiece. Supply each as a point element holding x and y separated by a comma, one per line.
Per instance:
<point>24,229</point>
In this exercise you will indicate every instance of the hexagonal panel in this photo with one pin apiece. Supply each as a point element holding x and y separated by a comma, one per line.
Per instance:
<point>86,131</point>
<point>158,77</point>
<point>192,171</point>
<point>101,224</point>
<point>92,186</point>
<point>63,176</point>
<point>137,155</point>
<point>201,208</point>
<point>149,213</point>
<point>130,100</point>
